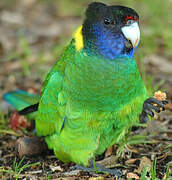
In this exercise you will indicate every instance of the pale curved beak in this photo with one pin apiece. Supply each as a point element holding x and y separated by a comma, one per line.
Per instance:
<point>132,33</point>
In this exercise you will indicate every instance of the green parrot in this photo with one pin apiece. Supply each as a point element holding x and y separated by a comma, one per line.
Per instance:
<point>94,93</point>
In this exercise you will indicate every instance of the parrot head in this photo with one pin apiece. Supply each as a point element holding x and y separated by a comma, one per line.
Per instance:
<point>110,31</point>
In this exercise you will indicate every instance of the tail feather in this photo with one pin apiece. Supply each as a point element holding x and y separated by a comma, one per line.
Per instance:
<point>20,99</point>
<point>29,109</point>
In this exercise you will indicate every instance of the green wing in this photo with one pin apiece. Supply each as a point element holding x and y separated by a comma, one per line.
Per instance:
<point>52,104</point>
<point>57,119</point>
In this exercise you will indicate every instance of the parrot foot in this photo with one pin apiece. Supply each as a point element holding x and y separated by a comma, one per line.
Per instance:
<point>30,146</point>
<point>150,105</point>
<point>96,168</point>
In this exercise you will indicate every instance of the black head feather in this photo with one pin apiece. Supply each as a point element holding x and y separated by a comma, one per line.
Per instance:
<point>103,24</point>
<point>98,12</point>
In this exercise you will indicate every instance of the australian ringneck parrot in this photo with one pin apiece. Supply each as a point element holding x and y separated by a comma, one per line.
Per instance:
<point>94,93</point>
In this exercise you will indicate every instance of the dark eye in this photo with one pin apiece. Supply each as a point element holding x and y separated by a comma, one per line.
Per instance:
<point>129,22</point>
<point>107,21</point>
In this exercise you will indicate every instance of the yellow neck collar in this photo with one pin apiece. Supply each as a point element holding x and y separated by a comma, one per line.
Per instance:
<point>79,43</point>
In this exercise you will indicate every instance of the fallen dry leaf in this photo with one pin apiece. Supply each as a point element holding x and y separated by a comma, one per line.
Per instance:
<point>130,161</point>
<point>168,106</point>
<point>144,162</point>
<point>109,151</point>
<point>17,122</point>
<point>131,175</point>
<point>169,134</point>
<point>97,178</point>
<point>133,149</point>
<point>72,173</point>
<point>162,157</point>
<point>34,172</point>
<point>55,168</point>
<point>108,162</point>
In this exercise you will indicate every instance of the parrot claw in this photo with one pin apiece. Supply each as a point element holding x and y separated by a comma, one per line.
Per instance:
<point>98,169</point>
<point>150,105</point>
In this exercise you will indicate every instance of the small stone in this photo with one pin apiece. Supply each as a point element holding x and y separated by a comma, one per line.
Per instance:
<point>30,146</point>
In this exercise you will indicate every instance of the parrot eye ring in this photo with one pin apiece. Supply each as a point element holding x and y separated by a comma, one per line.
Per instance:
<point>107,21</point>
<point>129,22</point>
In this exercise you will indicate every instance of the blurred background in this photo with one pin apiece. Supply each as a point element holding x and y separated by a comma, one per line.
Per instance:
<point>33,34</point>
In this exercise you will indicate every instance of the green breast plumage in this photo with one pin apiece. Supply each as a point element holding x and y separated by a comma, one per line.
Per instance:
<point>101,84</point>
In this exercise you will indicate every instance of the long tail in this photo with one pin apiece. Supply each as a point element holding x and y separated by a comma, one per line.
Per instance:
<point>22,101</point>
<point>29,109</point>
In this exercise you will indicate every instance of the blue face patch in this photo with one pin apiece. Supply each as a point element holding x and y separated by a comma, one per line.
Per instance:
<point>131,53</point>
<point>108,44</point>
